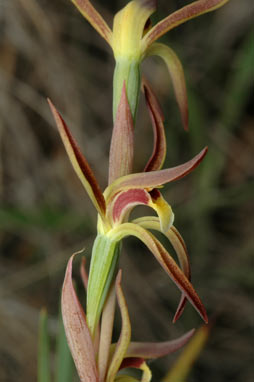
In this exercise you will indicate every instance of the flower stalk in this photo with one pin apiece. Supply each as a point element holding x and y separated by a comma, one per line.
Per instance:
<point>89,333</point>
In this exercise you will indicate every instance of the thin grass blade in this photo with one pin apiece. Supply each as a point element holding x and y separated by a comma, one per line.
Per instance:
<point>43,349</point>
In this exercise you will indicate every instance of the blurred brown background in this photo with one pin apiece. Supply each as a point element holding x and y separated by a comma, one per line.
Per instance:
<point>48,49</point>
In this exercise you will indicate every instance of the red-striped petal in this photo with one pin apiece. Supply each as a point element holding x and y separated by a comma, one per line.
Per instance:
<point>160,145</point>
<point>79,162</point>
<point>153,179</point>
<point>182,15</point>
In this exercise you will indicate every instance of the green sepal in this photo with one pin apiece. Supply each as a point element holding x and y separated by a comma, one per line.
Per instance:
<point>128,71</point>
<point>103,266</point>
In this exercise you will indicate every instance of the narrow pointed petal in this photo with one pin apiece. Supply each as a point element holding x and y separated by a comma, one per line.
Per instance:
<point>153,179</point>
<point>191,352</point>
<point>177,76</point>
<point>94,18</point>
<point>77,332</point>
<point>182,254</point>
<point>160,145</point>
<point>180,16</point>
<point>122,142</point>
<point>79,162</point>
<point>125,336</point>
<point>165,260</point>
<point>107,322</point>
<point>152,222</point>
<point>153,350</point>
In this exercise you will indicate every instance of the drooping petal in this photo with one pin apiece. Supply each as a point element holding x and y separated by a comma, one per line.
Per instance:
<point>182,254</point>
<point>177,76</point>
<point>77,332</point>
<point>120,207</point>
<point>165,260</point>
<point>122,142</point>
<point>125,336</point>
<point>94,18</point>
<point>154,350</point>
<point>153,179</point>
<point>107,322</point>
<point>180,16</point>
<point>152,222</point>
<point>160,145</point>
<point>184,362</point>
<point>79,163</point>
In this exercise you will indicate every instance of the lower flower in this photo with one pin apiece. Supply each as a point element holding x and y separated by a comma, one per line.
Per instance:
<point>97,359</point>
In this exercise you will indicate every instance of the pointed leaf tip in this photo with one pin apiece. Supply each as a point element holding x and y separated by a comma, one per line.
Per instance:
<point>79,162</point>
<point>77,332</point>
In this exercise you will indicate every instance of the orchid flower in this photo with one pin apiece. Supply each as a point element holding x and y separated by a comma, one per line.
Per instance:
<point>97,360</point>
<point>132,39</point>
<point>124,192</point>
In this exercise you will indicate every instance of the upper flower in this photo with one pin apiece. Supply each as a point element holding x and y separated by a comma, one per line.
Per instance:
<point>132,39</point>
<point>124,192</point>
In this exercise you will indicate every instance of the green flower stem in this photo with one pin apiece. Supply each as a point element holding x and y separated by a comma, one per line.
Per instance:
<point>103,266</point>
<point>128,71</point>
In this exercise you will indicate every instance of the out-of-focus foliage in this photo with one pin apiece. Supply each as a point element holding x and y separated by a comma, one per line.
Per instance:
<point>183,365</point>
<point>48,49</point>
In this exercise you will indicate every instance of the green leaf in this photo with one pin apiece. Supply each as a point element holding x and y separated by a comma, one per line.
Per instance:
<point>43,349</point>
<point>184,363</point>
